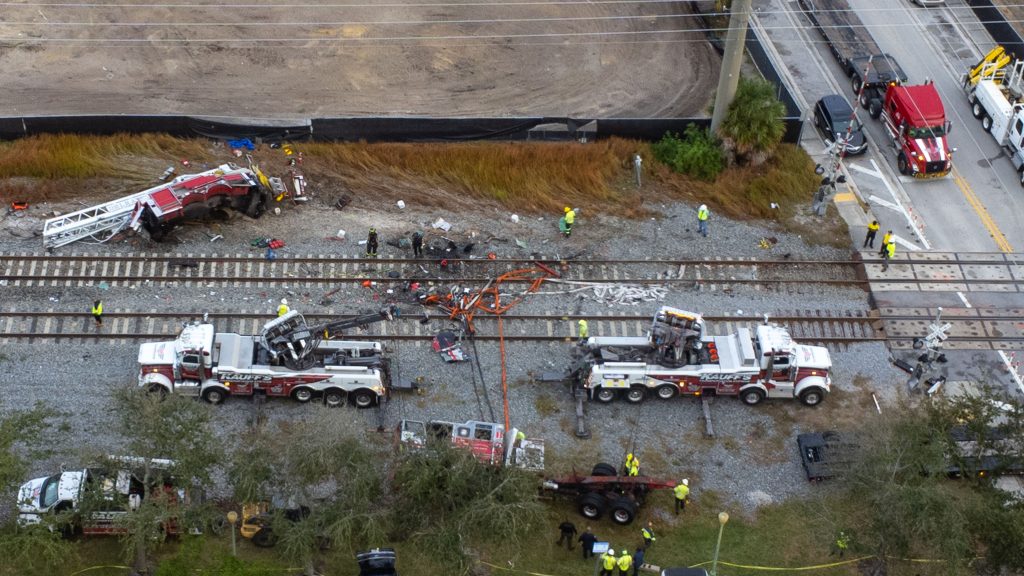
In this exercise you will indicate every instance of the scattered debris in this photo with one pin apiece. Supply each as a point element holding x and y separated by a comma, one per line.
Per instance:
<point>242,143</point>
<point>273,243</point>
<point>441,224</point>
<point>522,244</point>
<point>103,286</point>
<point>401,205</point>
<point>343,201</point>
<point>449,346</point>
<point>515,218</point>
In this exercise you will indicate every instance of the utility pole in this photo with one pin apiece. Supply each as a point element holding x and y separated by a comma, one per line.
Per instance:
<point>729,76</point>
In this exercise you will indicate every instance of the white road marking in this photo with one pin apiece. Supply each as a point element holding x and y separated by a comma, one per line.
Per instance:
<point>867,171</point>
<point>905,243</point>
<point>883,203</point>
<point>902,210</point>
<point>964,299</point>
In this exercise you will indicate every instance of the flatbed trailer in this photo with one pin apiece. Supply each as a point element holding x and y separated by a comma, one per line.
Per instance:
<point>852,45</point>
<point>605,491</point>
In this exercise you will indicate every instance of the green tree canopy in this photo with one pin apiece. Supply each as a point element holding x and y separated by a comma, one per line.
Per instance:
<point>753,124</point>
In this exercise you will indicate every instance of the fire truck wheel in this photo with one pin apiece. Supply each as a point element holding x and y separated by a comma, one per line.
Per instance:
<point>901,164</point>
<point>603,469</point>
<point>592,505</point>
<point>302,394</point>
<point>605,395</point>
<point>875,108</point>
<point>214,395</point>
<point>622,511</point>
<point>667,391</point>
<point>811,397</point>
<point>752,397</point>
<point>363,398</point>
<point>334,397</point>
<point>636,394</point>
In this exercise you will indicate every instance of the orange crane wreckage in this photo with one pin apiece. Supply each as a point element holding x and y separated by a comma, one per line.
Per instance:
<point>464,307</point>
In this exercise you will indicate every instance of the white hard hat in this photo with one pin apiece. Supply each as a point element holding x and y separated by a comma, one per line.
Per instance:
<point>284,301</point>
<point>703,207</point>
<point>686,482</point>
<point>611,552</point>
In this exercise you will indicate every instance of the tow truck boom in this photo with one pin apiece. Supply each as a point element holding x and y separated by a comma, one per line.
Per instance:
<point>292,340</point>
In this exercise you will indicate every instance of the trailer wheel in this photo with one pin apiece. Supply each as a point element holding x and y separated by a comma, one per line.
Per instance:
<point>636,394</point>
<point>622,511</point>
<point>302,394</point>
<point>265,538</point>
<point>902,164</point>
<point>875,108</point>
<point>752,397</point>
<point>605,395</point>
<point>592,505</point>
<point>812,397</point>
<point>667,391</point>
<point>865,98</point>
<point>214,395</point>
<point>334,397</point>
<point>603,469</point>
<point>977,110</point>
<point>855,84</point>
<point>363,398</point>
<point>986,123</point>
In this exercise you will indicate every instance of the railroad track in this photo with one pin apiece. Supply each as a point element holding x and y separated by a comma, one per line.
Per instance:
<point>252,270</point>
<point>972,328</point>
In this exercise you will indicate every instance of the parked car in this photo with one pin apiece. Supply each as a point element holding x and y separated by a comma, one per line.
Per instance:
<point>832,117</point>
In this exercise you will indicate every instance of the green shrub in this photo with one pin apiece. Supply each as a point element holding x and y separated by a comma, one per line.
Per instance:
<point>696,154</point>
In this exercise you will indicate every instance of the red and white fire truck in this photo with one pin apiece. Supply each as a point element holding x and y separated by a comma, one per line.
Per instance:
<point>487,441</point>
<point>159,208</point>
<point>287,359</point>
<point>915,120</point>
<point>676,358</point>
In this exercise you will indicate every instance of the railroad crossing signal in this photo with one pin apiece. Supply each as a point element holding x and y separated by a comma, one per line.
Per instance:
<point>932,345</point>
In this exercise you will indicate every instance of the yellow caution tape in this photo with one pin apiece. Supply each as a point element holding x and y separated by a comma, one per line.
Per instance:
<point>512,569</point>
<point>777,569</point>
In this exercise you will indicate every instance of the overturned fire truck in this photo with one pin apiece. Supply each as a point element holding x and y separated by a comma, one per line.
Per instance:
<point>287,359</point>
<point>676,358</point>
<point>487,441</point>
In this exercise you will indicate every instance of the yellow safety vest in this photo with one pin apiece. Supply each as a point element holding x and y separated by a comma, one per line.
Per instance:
<point>570,216</point>
<point>634,469</point>
<point>890,249</point>
<point>282,310</point>
<point>625,562</point>
<point>609,562</point>
<point>702,215</point>
<point>97,310</point>
<point>886,239</point>
<point>584,329</point>
<point>681,491</point>
<point>647,534</point>
<point>874,227</point>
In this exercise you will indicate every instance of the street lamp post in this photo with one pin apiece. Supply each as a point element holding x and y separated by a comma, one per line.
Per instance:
<point>232,518</point>
<point>723,517</point>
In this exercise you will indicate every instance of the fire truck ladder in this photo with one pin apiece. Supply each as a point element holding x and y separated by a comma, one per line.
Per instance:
<point>100,222</point>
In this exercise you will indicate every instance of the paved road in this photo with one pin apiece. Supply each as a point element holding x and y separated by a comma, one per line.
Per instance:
<point>976,209</point>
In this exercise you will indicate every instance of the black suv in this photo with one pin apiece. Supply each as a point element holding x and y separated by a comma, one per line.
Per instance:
<point>832,115</point>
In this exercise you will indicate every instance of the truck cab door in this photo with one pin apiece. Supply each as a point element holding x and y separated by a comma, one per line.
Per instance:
<point>1016,139</point>
<point>780,383</point>
<point>191,366</point>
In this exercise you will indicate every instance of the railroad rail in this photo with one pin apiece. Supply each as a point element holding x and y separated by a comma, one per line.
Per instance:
<point>310,271</point>
<point>972,328</point>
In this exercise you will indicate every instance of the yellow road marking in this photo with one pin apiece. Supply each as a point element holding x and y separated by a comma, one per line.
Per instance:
<point>982,212</point>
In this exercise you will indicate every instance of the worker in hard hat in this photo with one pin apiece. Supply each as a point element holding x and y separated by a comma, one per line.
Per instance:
<point>647,533</point>
<point>608,563</point>
<point>283,308</point>
<point>583,329</point>
<point>625,562</point>
<point>371,243</point>
<point>702,220</point>
<point>569,219</point>
<point>632,466</point>
<point>682,494</point>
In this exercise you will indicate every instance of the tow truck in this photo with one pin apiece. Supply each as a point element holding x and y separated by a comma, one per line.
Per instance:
<point>110,492</point>
<point>486,440</point>
<point>288,358</point>
<point>676,358</point>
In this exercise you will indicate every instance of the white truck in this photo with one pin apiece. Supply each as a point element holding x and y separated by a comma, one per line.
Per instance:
<point>112,491</point>
<point>678,359</point>
<point>995,91</point>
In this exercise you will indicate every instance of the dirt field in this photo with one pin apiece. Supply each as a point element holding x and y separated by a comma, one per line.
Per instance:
<point>374,57</point>
<point>1013,12</point>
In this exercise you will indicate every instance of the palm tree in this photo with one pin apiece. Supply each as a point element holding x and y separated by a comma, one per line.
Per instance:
<point>753,126</point>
